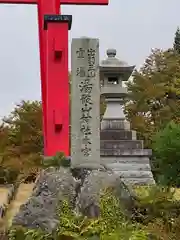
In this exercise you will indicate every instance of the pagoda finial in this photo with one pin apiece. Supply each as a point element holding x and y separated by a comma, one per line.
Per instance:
<point>111,53</point>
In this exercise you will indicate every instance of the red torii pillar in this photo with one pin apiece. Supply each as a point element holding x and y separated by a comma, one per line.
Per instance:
<point>57,83</point>
<point>53,41</point>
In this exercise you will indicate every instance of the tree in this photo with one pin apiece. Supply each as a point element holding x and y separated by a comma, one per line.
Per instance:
<point>166,148</point>
<point>154,94</point>
<point>4,137</point>
<point>177,41</point>
<point>22,130</point>
<point>25,124</point>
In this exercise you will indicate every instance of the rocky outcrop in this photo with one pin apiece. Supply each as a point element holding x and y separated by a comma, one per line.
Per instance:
<point>81,187</point>
<point>51,188</point>
<point>94,182</point>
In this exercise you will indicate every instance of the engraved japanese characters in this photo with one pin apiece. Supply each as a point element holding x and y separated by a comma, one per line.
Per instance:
<point>85,93</point>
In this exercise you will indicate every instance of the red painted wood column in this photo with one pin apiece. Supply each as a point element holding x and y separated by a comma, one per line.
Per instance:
<point>44,7</point>
<point>57,84</point>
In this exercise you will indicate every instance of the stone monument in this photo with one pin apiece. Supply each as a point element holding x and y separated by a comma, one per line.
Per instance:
<point>85,110</point>
<point>84,181</point>
<point>120,150</point>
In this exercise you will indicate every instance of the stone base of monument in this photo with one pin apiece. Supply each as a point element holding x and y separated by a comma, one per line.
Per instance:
<point>132,166</point>
<point>81,187</point>
<point>125,155</point>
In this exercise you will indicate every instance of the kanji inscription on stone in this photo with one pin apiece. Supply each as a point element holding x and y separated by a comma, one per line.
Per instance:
<point>85,98</point>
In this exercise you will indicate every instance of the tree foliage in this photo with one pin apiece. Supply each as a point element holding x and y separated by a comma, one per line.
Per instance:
<point>177,41</point>
<point>21,141</point>
<point>25,125</point>
<point>154,94</point>
<point>166,148</point>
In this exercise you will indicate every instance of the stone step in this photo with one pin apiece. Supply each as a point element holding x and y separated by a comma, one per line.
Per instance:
<point>117,135</point>
<point>129,166</point>
<point>125,152</point>
<point>115,124</point>
<point>134,174</point>
<point>121,144</point>
<point>139,181</point>
<point>125,160</point>
<point>134,170</point>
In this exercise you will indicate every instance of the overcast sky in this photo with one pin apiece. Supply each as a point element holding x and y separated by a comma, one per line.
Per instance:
<point>133,27</point>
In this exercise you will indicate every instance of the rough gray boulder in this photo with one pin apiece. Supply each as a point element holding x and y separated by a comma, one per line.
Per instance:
<point>52,187</point>
<point>94,183</point>
<point>81,187</point>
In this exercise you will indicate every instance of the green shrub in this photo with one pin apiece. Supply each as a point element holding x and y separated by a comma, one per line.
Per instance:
<point>166,155</point>
<point>158,210</point>
<point>59,160</point>
<point>110,225</point>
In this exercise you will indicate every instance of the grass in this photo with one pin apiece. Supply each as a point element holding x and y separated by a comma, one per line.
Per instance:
<point>143,191</point>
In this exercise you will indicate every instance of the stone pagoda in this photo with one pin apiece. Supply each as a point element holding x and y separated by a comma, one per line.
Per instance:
<point>120,150</point>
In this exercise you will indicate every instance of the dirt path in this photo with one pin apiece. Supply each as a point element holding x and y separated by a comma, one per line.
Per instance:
<point>23,193</point>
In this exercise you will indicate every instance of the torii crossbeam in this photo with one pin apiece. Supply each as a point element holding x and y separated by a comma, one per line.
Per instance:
<point>53,40</point>
<point>64,2</point>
